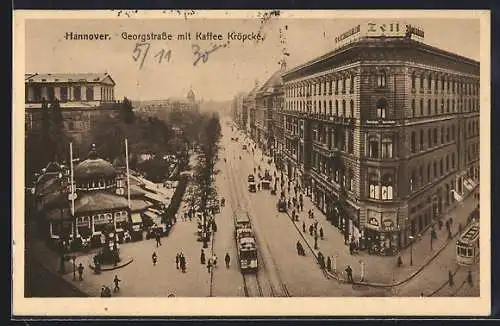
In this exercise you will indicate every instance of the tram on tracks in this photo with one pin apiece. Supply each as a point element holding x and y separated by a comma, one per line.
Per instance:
<point>245,243</point>
<point>468,245</point>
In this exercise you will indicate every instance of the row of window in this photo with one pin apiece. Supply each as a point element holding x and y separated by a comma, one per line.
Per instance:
<point>452,85</point>
<point>326,87</point>
<point>432,137</point>
<point>106,93</point>
<point>336,138</point>
<point>470,105</point>
<point>437,169</point>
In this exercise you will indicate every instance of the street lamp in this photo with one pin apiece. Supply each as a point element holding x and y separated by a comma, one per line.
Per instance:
<point>73,258</point>
<point>62,268</point>
<point>411,249</point>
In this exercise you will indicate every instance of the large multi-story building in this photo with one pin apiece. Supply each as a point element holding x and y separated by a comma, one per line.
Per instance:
<point>384,132</point>
<point>268,100</point>
<point>82,97</point>
<point>249,107</point>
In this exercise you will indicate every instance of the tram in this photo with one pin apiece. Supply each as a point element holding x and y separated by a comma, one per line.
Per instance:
<point>252,186</point>
<point>245,243</point>
<point>468,245</point>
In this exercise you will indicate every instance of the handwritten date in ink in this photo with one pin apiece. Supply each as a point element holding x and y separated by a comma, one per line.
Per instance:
<point>203,55</point>
<point>141,52</point>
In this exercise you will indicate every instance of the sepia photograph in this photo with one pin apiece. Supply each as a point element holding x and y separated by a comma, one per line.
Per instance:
<point>327,160</point>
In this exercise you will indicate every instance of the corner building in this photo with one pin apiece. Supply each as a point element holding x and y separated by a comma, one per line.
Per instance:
<point>383,133</point>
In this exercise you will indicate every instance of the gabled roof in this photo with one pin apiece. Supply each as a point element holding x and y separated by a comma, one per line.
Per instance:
<point>67,77</point>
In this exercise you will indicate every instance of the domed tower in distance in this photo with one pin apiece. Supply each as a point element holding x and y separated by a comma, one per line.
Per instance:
<point>191,97</point>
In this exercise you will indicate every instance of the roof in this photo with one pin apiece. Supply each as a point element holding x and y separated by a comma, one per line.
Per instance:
<point>374,41</point>
<point>99,201</point>
<point>94,77</point>
<point>93,168</point>
<point>274,81</point>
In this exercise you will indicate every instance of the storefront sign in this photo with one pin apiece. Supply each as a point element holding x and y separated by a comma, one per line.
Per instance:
<point>388,224</point>
<point>373,221</point>
<point>378,29</point>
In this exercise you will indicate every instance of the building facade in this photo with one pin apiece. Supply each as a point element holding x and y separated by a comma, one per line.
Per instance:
<point>82,98</point>
<point>384,134</point>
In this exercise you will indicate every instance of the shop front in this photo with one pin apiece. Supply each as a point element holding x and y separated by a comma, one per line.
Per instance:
<point>380,234</point>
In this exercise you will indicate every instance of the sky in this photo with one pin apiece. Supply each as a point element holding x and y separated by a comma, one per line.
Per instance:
<point>227,70</point>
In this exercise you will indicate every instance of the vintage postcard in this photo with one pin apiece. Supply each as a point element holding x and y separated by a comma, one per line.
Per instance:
<point>243,163</point>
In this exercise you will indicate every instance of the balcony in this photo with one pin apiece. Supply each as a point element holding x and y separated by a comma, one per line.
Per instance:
<point>334,119</point>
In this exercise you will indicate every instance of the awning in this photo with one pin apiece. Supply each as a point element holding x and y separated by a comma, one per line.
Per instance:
<point>457,196</point>
<point>150,214</point>
<point>136,218</point>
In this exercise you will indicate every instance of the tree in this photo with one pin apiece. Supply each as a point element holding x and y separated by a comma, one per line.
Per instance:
<point>127,111</point>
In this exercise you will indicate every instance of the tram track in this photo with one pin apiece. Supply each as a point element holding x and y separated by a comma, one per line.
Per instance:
<point>261,283</point>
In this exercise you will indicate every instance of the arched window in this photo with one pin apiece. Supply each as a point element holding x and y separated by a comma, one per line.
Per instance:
<point>387,147</point>
<point>330,87</point>
<point>442,135</point>
<point>422,78</point>
<point>352,108</point>
<point>319,106</point>
<point>436,84</point>
<point>429,82</point>
<point>373,147</point>
<point>413,142</point>
<point>421,139</point>
<point>429,107</point>
<point>428,172</point>
<point>324,107</point>
<point>413,80</point>
<point>336,86</point>
<point>350,183</point>
<point>343,84</point>
<point>429,138</point>
<point>343,110</point>
<point>412,180</point>
<point>434,169</point>
<point>413,108</point>
<point>382,79</point>
<point>336,107</point>
<point>381,108</point>
<point>330,107</point>
<point>374,187</point>
<point>351,87</point>
<point>387,187</point>
<point>421,107</point>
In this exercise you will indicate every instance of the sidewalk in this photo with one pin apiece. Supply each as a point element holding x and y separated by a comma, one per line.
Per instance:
<point>140,278</point>
<point>379,271</point>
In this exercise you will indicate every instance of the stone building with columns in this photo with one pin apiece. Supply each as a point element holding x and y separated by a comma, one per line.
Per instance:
<point>385,130</point>
<point>82,97</point>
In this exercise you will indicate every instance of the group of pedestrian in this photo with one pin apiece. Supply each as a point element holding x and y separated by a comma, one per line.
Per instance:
<point>180,261</point>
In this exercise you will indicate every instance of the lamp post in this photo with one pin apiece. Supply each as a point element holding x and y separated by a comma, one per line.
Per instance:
<point>411,249</point>
<point>62,267</point>
<point>73,258</point>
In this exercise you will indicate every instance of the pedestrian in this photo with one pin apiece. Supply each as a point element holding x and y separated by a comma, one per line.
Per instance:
<point>214,260</point>
<point>309,213</point>
<point>154,257</point>
<point>177,260</point>
<point>183,263</point>
<point>103,291</point>
<point>321,233</point>
<point>329,264</point>
<point>301,206</point>
<point>117,281</point>
<point>209,265</point>
<point>214,226</point>
<point>293,215</point>
<point>303,227</point>
<point>311,229</point>
<point>312,215</point>
<point>321,260</point>
<point>450,278</point>
<point>80,272</point>
<point>158,239</point>
<point>348,271</point>
<point>202,257</point>
<point>227,259</point>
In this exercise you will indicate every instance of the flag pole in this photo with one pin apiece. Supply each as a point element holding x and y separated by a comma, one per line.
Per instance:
<point>128,173</point>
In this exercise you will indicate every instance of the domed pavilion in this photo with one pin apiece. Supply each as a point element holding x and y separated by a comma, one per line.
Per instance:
<point>100,202</point>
